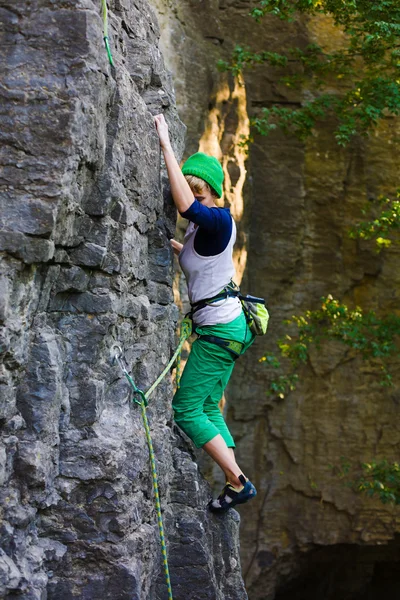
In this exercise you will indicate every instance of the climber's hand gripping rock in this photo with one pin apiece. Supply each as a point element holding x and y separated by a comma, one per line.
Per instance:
<point>162,130</point>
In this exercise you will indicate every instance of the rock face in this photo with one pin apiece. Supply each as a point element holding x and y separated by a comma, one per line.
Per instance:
<point>86,262</point>
<point>308,536</point>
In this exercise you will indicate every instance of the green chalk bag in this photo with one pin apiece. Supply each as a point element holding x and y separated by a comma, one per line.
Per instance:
<point>255,310</point>
<point>257,315</point>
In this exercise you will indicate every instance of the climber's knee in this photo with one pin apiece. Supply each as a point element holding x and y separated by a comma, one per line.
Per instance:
<point>197,427</point>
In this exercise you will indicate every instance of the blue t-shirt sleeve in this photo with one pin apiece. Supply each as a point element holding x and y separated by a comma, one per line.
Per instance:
<point>214,228</point>
<point>211,220</point>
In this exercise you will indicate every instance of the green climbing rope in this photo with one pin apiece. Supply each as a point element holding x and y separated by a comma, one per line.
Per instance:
<point>141,398</point>
<point>105,31</point>
<point>186,332</point>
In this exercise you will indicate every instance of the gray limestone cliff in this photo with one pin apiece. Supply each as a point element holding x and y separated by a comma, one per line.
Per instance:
<point>85,262</point>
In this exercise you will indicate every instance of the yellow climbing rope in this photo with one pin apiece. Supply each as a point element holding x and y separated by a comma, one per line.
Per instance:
<point>141,398</point>
<point>105,31</point>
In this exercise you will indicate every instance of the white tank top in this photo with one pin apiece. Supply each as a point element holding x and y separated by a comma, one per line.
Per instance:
<point>206,276</point>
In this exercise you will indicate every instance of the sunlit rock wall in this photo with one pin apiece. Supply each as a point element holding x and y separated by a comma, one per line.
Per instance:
<point>295,207</point>
<point>85,262</point>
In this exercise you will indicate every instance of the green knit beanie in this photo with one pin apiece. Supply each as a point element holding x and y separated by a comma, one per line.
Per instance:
<point>207,168</point>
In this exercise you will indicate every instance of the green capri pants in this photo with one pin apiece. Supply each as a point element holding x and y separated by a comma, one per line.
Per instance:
<point>203,381</point>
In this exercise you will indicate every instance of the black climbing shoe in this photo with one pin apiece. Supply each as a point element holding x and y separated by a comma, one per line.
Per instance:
<point>229,497</point>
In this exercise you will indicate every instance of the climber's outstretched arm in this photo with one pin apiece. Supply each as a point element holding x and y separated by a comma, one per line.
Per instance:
<point>181,192</point>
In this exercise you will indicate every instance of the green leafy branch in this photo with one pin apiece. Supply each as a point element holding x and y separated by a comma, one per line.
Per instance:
<point>381,479</point>
<point>365,332</point>
<point>371,336</point>
<point>382,226</point>
<point>375,478</point>
<point>299,122</point>
<point>357,111</point>
<point>282,384</point>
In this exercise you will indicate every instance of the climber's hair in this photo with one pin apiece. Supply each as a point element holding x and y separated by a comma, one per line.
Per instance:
<point>198,185</point>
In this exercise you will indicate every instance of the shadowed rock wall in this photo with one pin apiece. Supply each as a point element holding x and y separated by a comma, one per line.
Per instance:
<point>306,530</point>
<point>86,261</point>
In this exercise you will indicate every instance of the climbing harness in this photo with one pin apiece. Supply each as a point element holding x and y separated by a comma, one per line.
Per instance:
<point>105,31</point>
<point>254,308</point>
<point>235,348</point>
<point>141,398</point>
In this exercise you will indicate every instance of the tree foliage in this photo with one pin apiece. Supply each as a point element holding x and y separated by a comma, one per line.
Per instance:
<point>374,337</point>
<point>367,67</point>
<point>358,84</point>
<point>383,226</point>
<point>381,479</point>
<point>374,478</point>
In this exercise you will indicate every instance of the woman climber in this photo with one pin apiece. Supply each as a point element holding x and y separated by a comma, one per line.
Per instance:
<point>206,260</point>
